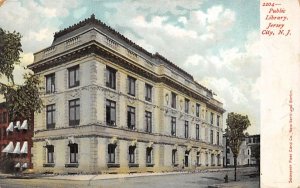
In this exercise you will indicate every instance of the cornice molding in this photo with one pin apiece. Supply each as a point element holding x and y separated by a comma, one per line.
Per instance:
<point>97,50</point>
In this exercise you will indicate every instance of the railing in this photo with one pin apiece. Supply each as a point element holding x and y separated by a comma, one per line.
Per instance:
<point>73,41</point>
<point>49,51</point>
<point>111,43</point>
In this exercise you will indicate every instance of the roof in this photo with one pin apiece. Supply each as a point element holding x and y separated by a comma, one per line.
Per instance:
<point>93,22</point>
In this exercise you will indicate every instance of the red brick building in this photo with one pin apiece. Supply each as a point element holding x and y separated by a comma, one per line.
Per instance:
<point>16,139</point>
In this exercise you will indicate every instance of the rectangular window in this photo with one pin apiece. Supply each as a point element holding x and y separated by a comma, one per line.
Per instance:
<point>110,113</point>
<point>174,151</point>
<point>186,105</point>
<point>111,77</point>
<point>149,155</point>
<point>173,126</point>
<point>218,138</point>
<point>131,85</point>
<point>73,153</point>
<point>50,116</point>
<point>198,158</point>
<point>148,121</point>
<point>74,112</point>
<point>148,92</point>
<point>111,153</point>
<point>50,154</point>
<point>173,100</point>
<point>211,118</point>
<point>197,132</point>
<point>4,117</point>
<point>186,129</point>
<point>131,154</point>
<point>218,120</point>
<point>227,150</point>
<point>198,110</point>
<point>50,83</point>
<point>211,136</point>
<point>73,76</point>
<point>131,117</point>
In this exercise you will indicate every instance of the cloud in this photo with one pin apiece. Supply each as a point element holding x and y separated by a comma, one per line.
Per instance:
<point>197,36</point>
<point>35,20</point>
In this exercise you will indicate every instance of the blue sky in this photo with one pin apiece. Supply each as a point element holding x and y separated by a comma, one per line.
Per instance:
<point>217,41</point>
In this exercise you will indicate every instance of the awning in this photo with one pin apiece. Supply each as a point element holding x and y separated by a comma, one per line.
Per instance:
<point>25,165</point>
<point>18,125</point>
<point>17,148</point>
<point>18,165</point>
<point>24,125</point>
<point>9,148</point>
<point>10,127</point>
<point>24,147</point>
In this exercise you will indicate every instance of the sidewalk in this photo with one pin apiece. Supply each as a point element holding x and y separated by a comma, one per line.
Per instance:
<point>80,177</point>
<point>238,184</point>
<point>117,176</point>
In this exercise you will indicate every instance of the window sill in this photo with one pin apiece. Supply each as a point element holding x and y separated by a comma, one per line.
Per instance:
<point>72,165</point>
<point>149,165</point>
<point>133,165</point>
<point>113,165</point>
<point>49,165</point>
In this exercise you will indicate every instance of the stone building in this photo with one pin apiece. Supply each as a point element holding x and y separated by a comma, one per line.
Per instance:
<point>113,107</point>
<point>246,156</point>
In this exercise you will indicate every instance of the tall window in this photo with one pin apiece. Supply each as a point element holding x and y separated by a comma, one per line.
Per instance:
<point>50,154</point>
<point>73,153</point>
<point>111,78</point>
<point>74,112</point>
<point>211,136</point>
<point>211,118</point>
<point>186,105</point>
<point>149,155</point>
<point>198,158</point>
<point>173,126</point>
<point>73,76</point>
<point>131,117</point>
<point>111,153</point>
<point>198,110</point>
<point>197,132</point>
<point>186,129</point>
<point>218,138</point>
<point>174,151</point>
<point>50,83</point>
<point>110,112</point>
<point>148,121</point>
<point>218,120</point>
<point>148,92</point>
<point>132,154</point>
<point>131,85</point>
<point>50,116</point>
<point>173,100</point>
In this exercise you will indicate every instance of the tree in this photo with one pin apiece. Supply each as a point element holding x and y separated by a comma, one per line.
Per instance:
<point>236,125</point>
<point>22,100</point>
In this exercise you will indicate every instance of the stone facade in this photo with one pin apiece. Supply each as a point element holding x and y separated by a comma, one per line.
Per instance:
<point>110,107</point>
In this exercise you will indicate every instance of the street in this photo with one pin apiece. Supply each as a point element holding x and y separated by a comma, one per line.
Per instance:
<point>179,180</point>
